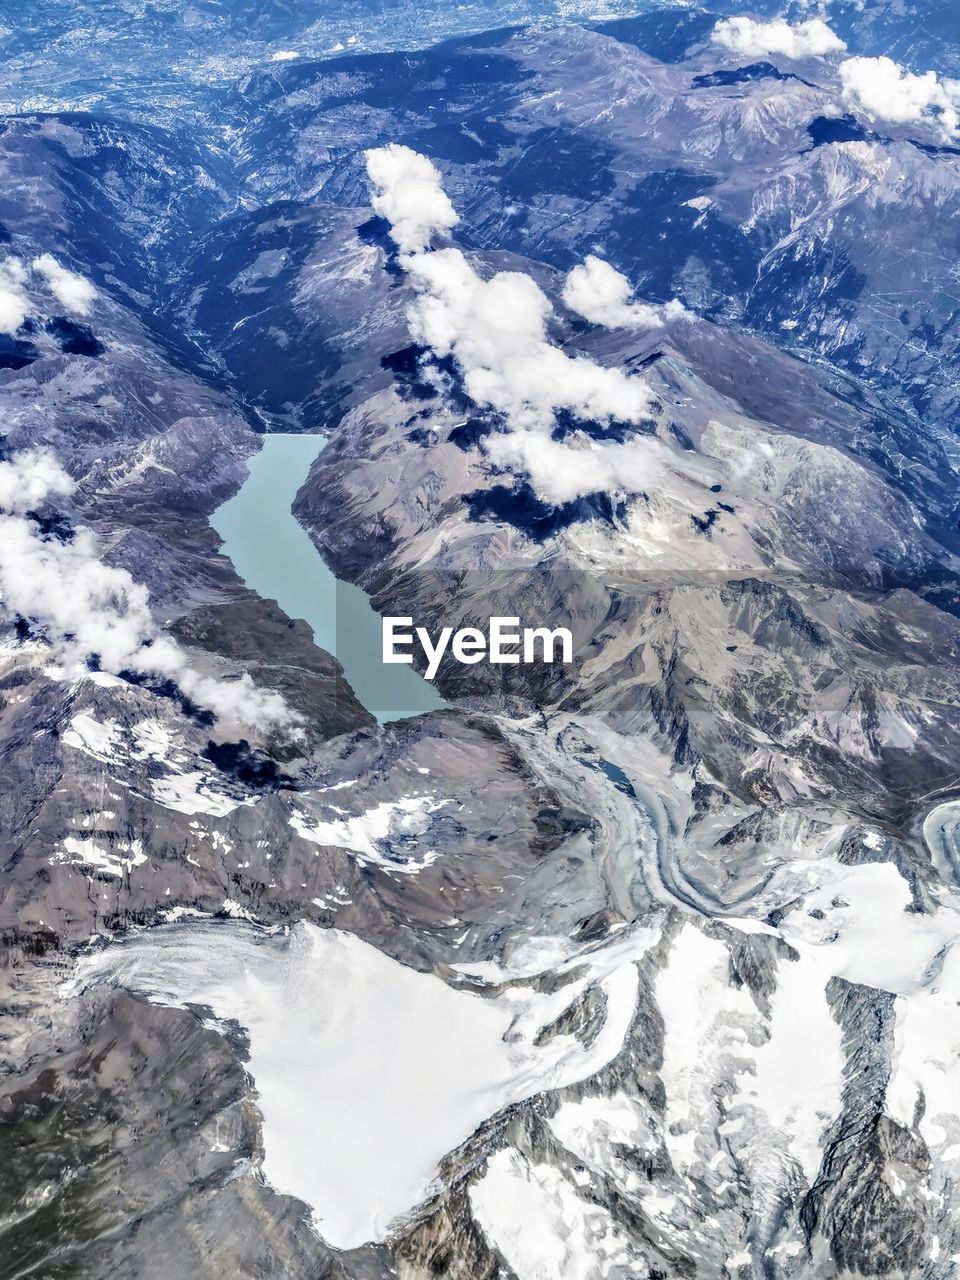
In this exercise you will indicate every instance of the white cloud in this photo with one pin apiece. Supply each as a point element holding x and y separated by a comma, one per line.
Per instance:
<point>884,90</point>
<point>753,39</point>
<point>14,305</point>
<point>561,471</point>
<point>91,608</point>
<point>600,294</point>
<point>72,291</point>
<point>409,196</point>
<point>30,478</point>
<point>496,330</point>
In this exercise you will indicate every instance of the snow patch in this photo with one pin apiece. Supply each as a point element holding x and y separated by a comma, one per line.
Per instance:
<point>367,1072</point>
<point>535,1218</point>
<point>191,793</point>
<point>364,833</point>
<point>89,851</point>
<point>101,741</point>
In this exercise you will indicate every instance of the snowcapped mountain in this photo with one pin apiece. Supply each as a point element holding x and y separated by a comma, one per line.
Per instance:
<point>641,322</point>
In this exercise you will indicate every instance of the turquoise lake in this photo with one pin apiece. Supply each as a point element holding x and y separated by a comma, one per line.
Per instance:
<point>274,556</point>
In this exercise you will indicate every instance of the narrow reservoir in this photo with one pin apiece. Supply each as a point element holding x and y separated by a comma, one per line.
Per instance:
<point>274,556</point>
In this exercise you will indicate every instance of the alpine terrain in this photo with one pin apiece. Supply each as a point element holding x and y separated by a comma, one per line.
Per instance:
<point>639,320</point>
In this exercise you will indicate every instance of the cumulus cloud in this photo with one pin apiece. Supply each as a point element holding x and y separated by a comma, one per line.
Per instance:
<point>29,479</point>
<point>602,295</point>
<point>14,305</point>
<point>562,471</point>
<point>496,331</point>
<point>878,88</point>
<point>409,195</point>
<point>91,609</point>
<point>754,39</point>
<point>71,291</point>
<point>883,90</point>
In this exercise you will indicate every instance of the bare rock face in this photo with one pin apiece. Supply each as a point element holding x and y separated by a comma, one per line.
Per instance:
<point>133,1145</point>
